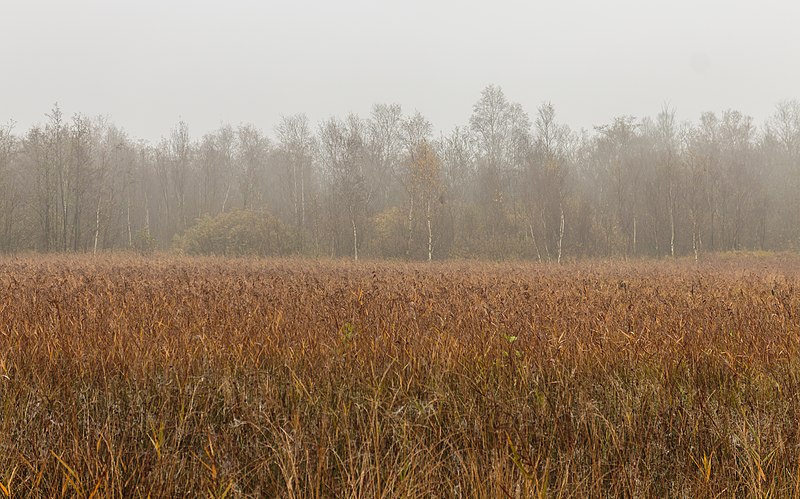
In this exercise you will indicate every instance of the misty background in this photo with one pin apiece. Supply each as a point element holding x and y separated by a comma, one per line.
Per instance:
<point>400,129</point>
<point>148,63</point>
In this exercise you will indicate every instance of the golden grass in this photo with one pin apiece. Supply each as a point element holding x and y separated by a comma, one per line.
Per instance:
<point>126,377</point>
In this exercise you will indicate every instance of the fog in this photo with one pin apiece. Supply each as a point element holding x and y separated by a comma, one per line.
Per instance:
<point>149,63</point>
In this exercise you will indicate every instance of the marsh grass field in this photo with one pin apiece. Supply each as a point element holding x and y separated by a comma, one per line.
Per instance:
<point>123,376</point>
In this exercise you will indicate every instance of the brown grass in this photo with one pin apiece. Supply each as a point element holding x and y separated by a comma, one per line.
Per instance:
<point>124,377</point>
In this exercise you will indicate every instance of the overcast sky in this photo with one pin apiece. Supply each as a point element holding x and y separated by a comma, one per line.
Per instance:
<point>149,63</point>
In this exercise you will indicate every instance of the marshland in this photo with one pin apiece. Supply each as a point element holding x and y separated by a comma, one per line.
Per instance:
<point>126,376</point>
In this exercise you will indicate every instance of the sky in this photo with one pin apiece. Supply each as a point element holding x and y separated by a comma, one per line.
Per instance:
<point>147,64</point>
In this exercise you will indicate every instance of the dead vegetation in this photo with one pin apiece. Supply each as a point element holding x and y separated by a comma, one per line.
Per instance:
<point>124,377</point>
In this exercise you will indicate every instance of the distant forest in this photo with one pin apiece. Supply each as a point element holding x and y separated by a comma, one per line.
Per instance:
<point>508,184</point>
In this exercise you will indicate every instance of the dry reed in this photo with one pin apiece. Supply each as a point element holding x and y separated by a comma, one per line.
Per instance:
<point>169,377</point>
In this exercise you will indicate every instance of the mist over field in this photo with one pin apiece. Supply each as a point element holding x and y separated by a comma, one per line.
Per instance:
<point>399,249</point>
<point>150,63</point>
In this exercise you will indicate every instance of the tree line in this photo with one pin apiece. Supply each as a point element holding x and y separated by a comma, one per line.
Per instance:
<point>505,185</point>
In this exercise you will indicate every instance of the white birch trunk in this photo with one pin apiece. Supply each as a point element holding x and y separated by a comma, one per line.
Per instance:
<point>410,227</point>
<point>96,226</point>
<point>430,232</point>
<point>128,217</point>
<point>560,233</point>
<point>355,239</point>
<point>535,244</point>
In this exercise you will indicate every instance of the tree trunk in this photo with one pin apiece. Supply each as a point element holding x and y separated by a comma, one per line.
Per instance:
<point>62,180</point>
<point>167,202</point>
<point>535,245</point>
<point>410,227</point>
<point>96,226</point>
<point>147,213</point>
<point>294,191</point>
<point>671,225</point>
<point>76,223</point>
<point>355,239</point>
<point>47,210</point>
<point>546,246</point>
<point>225,201</point>
<point>128,218</point>
<point>302,208</point>
<point>182,201</point>
<point>560,232</point>
<point>430,232</point>
<point>64,213</point>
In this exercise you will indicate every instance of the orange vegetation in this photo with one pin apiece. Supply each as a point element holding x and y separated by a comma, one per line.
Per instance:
<point>125,377</point>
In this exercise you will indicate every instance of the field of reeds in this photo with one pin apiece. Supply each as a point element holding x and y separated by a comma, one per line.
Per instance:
<point>172,377</point>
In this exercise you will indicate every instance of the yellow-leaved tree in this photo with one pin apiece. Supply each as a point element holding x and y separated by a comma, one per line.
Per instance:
<point>425,180</point>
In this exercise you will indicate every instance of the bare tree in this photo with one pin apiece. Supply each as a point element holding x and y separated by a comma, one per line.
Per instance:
<point>385,130</point>
<point>551,145</point>
<point>80,131</point>
<point>107,168</point>
<point>44,184</point>
<point>782,145</point>
<point>251,158</point>
<point>342,155</point>
<point>56,133</point>
<point>297,143</point>
<point>702,159</point>
<point>214,164</point>
<point>667,143</point>
<point>8,191</point>
<point>742,186</point>
<point>619,169</point>
<point>180,151</point>
<point>502,133</point>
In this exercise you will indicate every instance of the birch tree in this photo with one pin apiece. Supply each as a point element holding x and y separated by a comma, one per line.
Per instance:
<point>215,164</point>
<point>551,143</point>
<point>297,143</point>
<point>425,172</point>
<point>666,129</point>
<point>415,132</point>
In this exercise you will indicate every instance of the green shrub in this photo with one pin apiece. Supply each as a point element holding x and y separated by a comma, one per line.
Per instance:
<point>237,233</point>
<point>144,242</point>
<point>389,233</point>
